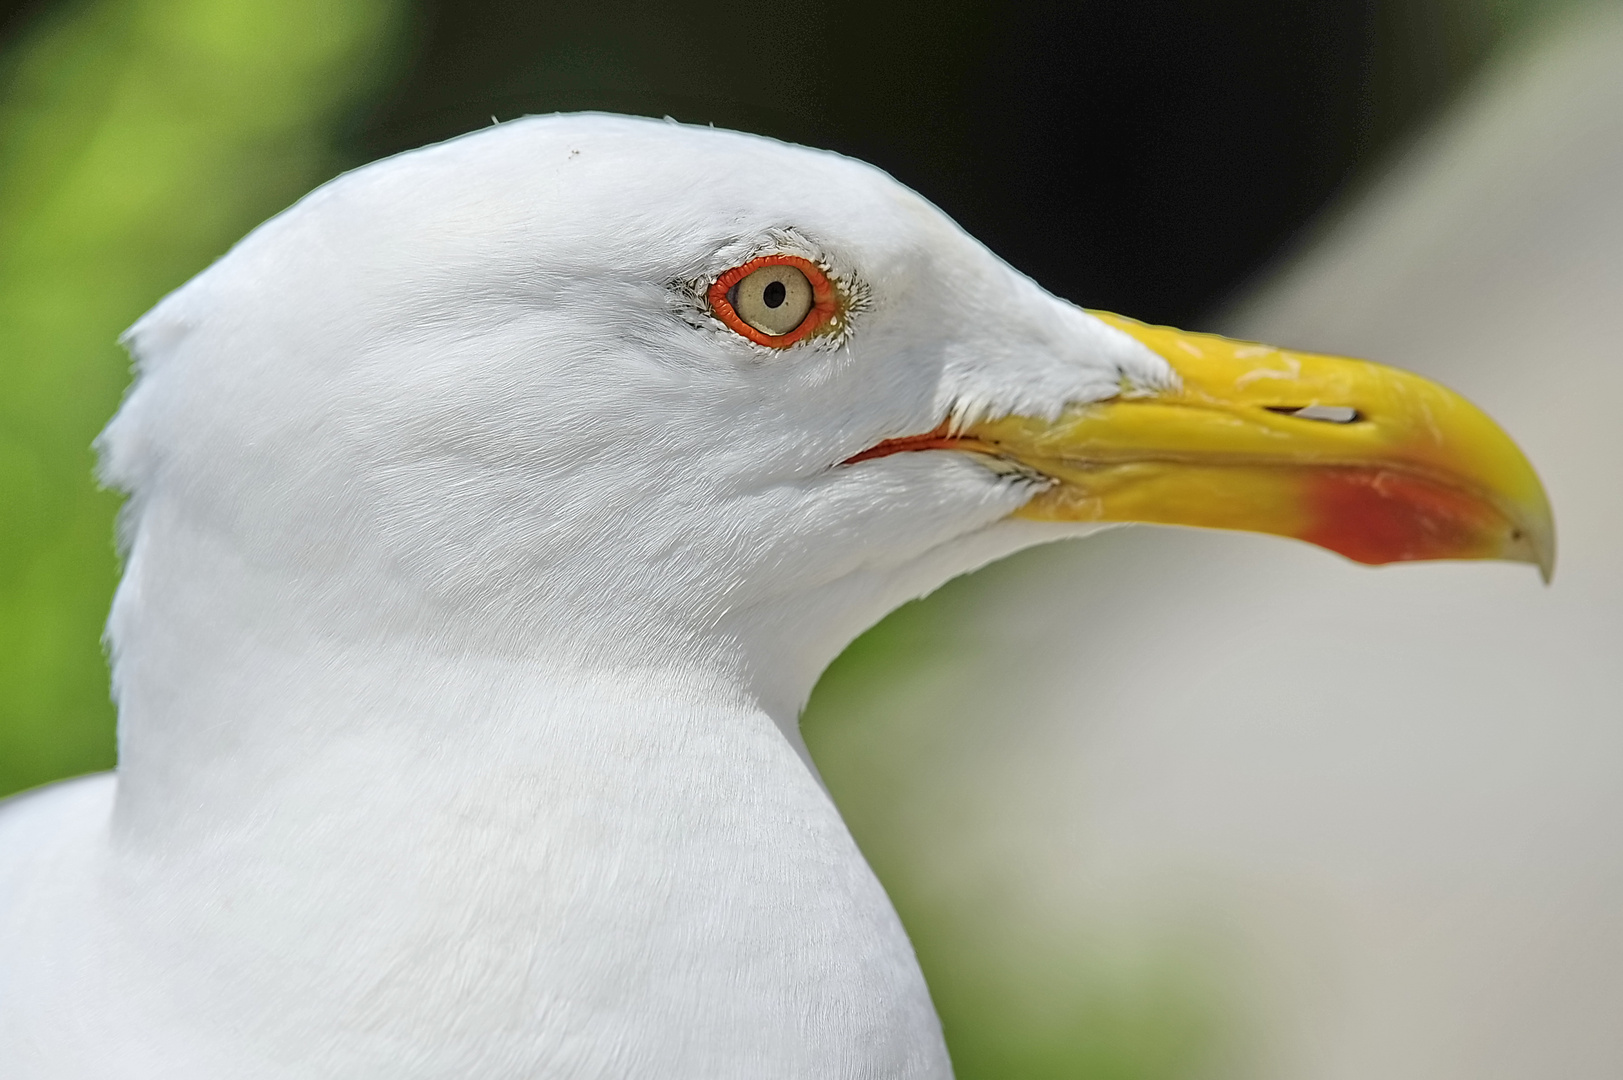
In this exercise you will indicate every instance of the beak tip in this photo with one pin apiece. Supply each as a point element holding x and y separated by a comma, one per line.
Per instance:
<point>1535,544</point>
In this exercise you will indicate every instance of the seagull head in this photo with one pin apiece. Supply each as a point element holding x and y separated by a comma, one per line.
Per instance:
<point>608,391</point>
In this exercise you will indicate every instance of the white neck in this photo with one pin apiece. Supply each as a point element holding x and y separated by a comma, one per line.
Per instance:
<point>490,859</point>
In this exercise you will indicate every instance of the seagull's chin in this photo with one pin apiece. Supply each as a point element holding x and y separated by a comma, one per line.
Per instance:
<point>1367,461</point>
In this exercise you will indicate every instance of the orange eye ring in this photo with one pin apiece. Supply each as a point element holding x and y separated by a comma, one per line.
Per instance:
<point>824,310</point>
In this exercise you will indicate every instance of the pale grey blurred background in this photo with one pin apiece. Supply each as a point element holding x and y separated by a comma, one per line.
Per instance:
<point>1311,820</point>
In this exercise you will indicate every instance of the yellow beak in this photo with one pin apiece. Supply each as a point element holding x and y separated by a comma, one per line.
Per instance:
<point>1368,461</point>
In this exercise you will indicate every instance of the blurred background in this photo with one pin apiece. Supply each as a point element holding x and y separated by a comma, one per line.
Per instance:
<point>1156,804</point>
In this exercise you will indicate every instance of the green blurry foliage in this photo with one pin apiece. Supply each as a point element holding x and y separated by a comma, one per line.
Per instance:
<point>138,140</point>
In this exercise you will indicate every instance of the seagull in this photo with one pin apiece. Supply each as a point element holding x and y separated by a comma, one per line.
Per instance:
<point>492,512</point>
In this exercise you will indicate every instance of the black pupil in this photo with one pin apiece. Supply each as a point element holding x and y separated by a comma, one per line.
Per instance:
<point>773,294</point>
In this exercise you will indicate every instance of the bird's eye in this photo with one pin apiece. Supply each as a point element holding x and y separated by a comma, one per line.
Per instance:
<point>775,300</point>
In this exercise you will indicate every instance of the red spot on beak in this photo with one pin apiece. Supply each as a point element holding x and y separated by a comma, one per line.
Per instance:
<point>1376,516</point>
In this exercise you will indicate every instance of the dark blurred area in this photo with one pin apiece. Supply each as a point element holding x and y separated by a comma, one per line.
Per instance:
<point>1145,156</point>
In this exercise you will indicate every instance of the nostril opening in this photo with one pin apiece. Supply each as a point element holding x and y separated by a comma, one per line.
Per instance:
<point>1325,414</point>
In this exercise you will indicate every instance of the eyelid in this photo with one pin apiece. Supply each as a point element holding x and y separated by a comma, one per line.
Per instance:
<point>825,310</point>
